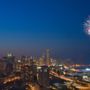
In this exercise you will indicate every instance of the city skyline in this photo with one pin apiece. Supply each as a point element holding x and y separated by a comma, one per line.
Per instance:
<point>30,27</point>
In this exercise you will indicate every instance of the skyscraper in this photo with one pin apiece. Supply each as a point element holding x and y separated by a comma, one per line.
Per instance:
<point>10,63</point>
<point>43,76</point>
<point>48,61</point>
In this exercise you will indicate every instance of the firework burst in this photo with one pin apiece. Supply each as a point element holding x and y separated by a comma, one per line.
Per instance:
<point>87,26</point>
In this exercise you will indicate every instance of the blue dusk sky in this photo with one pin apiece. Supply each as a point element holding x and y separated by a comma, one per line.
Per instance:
<point>30,26</point>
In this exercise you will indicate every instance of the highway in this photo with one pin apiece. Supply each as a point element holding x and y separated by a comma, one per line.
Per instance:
<point>61,76</point>
<point>76,85</point>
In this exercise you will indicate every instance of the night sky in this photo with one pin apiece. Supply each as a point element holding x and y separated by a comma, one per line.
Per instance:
<point>30,26</point>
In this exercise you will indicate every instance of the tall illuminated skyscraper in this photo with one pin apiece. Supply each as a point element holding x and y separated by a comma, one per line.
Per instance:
<point>10,63</point>
<point>48,61</point>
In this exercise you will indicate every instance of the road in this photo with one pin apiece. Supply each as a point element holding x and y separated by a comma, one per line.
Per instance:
<point>76,85</point>
<point>34,87</point>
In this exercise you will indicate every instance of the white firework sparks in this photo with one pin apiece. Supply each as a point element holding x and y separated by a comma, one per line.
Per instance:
<point>87,26</point>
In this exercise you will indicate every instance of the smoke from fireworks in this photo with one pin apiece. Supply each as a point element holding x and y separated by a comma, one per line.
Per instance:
<point>87,26</point>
